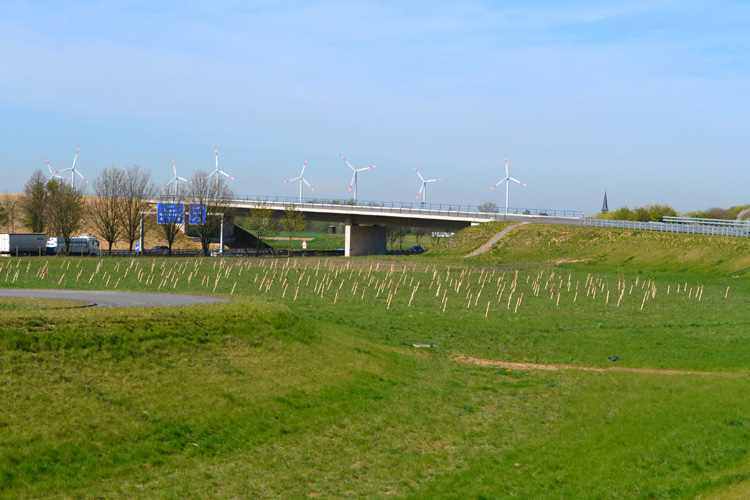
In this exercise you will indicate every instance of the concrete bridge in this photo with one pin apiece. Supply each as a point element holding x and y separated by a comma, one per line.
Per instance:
<point>365,223</point>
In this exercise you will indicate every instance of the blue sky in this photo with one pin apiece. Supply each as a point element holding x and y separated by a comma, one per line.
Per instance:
<point>646,99</point>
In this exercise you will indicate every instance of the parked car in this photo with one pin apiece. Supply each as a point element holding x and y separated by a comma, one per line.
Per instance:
<point>160,250</point>
<point>416,248</point>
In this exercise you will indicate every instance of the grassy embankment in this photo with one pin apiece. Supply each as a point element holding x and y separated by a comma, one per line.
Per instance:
<point>291,391</point>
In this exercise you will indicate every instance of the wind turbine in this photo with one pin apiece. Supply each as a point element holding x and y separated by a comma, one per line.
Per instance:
<point>423,189</point>
<point>301,179</point>
<point>175,178</point>
<point>218,171</point>
<point>53,175</point>
<point>507,180</point>
<point>353,183</point>
<point>73,171</point>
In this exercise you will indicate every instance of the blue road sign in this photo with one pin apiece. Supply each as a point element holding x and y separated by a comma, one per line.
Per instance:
<point>197,213</point>
<point>137,246</point>
<point>170,213</point>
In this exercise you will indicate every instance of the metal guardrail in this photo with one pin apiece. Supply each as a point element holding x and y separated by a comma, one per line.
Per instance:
<point>686,227</point>
<point>399,207</point>
<point>434,210</point>
<point>707,222</point>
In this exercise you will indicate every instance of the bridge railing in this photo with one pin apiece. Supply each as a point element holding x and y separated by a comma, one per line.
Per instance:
<point>408,208</point>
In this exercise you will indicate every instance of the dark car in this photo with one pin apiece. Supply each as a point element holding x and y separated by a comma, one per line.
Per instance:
<point>416,249</point>
<point>160,250</point>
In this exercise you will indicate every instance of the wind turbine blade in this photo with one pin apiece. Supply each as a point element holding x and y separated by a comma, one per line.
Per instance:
<point>352,182</point>
<point>224,173</point>
<point>434,180</point>
<point>516,180</point>
<point>48,165</point>
<point>216,150</point>
<point>350,165</point>
<point>174,167</point>
<point>76,158</point>
<point>303,169</point>
<point>81,176</point>
<point>499,182</point>
<point>420,191</point>
<point>183,179</point>
<point>308,184</point>
<point>420,175</point>
<point>290,180</point>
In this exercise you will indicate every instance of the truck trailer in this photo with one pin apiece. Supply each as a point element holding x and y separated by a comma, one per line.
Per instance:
<point>23,243</point>
<point>83,244</point>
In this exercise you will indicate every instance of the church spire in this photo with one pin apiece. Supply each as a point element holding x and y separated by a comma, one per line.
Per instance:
<point>605,208</point>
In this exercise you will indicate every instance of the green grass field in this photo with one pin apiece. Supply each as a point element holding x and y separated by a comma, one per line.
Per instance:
<point>309,383</point>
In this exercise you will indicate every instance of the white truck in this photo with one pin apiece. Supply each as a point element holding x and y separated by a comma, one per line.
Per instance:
<point>22,243</point>
<point>83,244</point>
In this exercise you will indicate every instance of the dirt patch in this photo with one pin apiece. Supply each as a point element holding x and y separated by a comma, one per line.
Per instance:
<point>286,238</point>
<point>570,261</point>
<point>512,365</point>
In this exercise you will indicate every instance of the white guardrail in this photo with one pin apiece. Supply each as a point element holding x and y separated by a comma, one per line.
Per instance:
<point>686,225</point>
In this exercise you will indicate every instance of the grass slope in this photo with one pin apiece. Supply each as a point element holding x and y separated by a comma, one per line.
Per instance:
<point>468,240</point>
<point>628,249</point>
<point>290,391</point>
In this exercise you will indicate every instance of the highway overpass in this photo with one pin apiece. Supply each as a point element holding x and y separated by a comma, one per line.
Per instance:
<point>365,222</point>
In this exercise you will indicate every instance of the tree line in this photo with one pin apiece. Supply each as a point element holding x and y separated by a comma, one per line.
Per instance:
<point>657,212</point>
<point>114,211</point>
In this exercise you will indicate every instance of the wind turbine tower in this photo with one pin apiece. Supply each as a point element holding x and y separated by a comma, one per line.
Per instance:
<point>423,189</point>
<point>507,180</point>
<point>301,180</point>
<point>218,171</point>
<point>73,171</point>
<point>353,182</point>
<point>175,178</point>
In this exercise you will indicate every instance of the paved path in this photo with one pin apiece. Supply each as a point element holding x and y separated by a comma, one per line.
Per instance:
<point>113,299</point>
<point>494,239</point>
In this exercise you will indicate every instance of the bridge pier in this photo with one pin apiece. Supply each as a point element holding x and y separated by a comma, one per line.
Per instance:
<point>364,240</point>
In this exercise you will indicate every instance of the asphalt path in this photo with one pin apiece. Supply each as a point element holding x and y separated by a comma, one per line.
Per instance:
<point>113,299</point>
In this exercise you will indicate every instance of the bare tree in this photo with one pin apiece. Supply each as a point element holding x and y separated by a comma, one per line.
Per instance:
<point>11,205</point>
<point>106,207</point>
<point>419,233</point>
<point>66,210</point>
<point>488,206</point>
<point>391,234</point>
<point>262,223</point>
<point>34,202</point>
<point>400,234</point>
<point>293,222</point>
<point>435,238</point>
<point>214,197</point>
<point>171,227</point>
<point>137,191</point>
